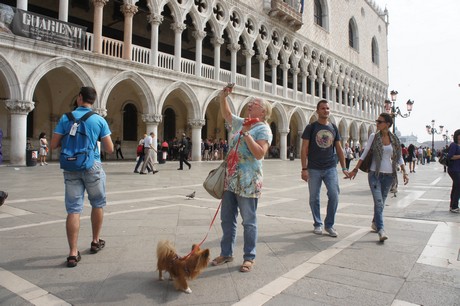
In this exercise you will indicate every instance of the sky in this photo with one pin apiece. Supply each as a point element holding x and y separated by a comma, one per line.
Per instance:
<point>424,63</point>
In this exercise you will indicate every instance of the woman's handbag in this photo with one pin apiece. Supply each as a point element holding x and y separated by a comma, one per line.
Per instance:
<point>367,161</point>
<point>214,182</point>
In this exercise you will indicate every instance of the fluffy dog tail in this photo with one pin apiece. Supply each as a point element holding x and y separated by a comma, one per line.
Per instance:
<point>165,250</point>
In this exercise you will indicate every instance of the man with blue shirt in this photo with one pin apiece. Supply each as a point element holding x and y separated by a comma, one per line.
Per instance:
<point>91,180</point>
<point>320,149</point>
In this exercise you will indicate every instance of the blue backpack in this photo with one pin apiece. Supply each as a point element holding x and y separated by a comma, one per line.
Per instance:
<point>77,153</point>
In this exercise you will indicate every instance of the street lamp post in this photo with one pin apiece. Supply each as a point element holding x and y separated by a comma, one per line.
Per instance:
<point>446,137</point>
<point>394,110</point>
<point>432,131</point>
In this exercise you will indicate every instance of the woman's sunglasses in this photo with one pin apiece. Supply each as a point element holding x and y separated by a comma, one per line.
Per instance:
<point>379,121</point>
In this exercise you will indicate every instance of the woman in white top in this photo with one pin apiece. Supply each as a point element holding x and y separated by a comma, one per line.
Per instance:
<point>386,156</point>
<point>43,149</point>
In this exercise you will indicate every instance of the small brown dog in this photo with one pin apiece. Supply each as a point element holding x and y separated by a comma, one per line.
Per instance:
<point>180,269</point>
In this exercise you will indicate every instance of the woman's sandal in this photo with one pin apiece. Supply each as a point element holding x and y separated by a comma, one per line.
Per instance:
<point>247,266</point>
<point>73,260</point>
<point>220,260</point>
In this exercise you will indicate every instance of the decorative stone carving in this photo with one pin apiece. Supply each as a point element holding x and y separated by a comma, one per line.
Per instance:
<point>262,57</point>
<point>100,3</point>
<point>129,9</point>
<point>178,27</point>
<point>155,19</point>
<point>101,111</point>
<point>152,118</point>
<point>217,41</point>
<point>196,123</point>
<point>19,107</point>
<point>233,47</point>
<point>199,35</point>
<point>249,53</point>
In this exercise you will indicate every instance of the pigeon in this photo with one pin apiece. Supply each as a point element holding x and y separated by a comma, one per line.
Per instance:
<point>190,196</point>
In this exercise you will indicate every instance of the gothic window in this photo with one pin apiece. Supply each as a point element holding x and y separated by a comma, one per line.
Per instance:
<point>353,34</point>
<point>286,43</point>
<point>235,20</point>
<point>375,51</point>
<point>263,32</point>
<point>200,5</point>
<point>275,39</point>
<point>318,13</point>
<point>296,48</point>
<point>219,12</point>
<point>250,26</point>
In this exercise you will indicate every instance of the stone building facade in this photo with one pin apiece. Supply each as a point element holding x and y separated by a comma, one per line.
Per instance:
<point>158,66</point>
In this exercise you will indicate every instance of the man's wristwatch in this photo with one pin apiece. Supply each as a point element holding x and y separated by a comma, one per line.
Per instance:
<point>246,133</point>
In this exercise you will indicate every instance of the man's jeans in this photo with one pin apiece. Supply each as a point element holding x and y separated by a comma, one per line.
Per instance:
<point>380,186</point>
<point>228,214</point>
<point>330,178</point>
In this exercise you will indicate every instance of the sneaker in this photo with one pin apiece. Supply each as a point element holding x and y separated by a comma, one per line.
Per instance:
<point>96,247</point>
<point>45,163</point>
<point>318,230</point>
<point>41,164</point>
<point>455,210</point>
<point>374,227</point>
<point>332,232</point>
<point>382,235</point>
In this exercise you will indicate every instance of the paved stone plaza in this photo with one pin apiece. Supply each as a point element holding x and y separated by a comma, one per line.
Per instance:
<point>418,265</point>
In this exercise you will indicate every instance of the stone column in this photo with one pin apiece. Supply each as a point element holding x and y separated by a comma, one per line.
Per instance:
<point>304,75</point>
<point>339,100</point>
<point>198,35</point>
<point>178,28</point>
<point>299,142</point>
<point>103,113</point>
<point>217,42</point>
<point>54,119</point>
<point>334,93</point>
<point>155,21</point>
<point>313,88</point>
<point>285,67</point>
<point>295,72</point>
<point>283,144</point>
<point>197,125</point>
<point>346,100</point>
<point>274,64</point>
<point>22,4</point>
<point>63,10</point>
<point>248,55</point>
<point>128,11</point>
<point>320,87</point>
<point>262,59</point>
<point>97,24</point>
<point>328,88</point>
<point>19,110</point>
<point>234,48</point>
<point>151,122</point>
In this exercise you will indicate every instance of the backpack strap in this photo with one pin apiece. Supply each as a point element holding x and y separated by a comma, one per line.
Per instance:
<point>71,117</point>
<point>86,116</point>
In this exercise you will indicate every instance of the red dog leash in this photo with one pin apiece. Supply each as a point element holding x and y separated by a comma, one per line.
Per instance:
<point>218,208</point>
